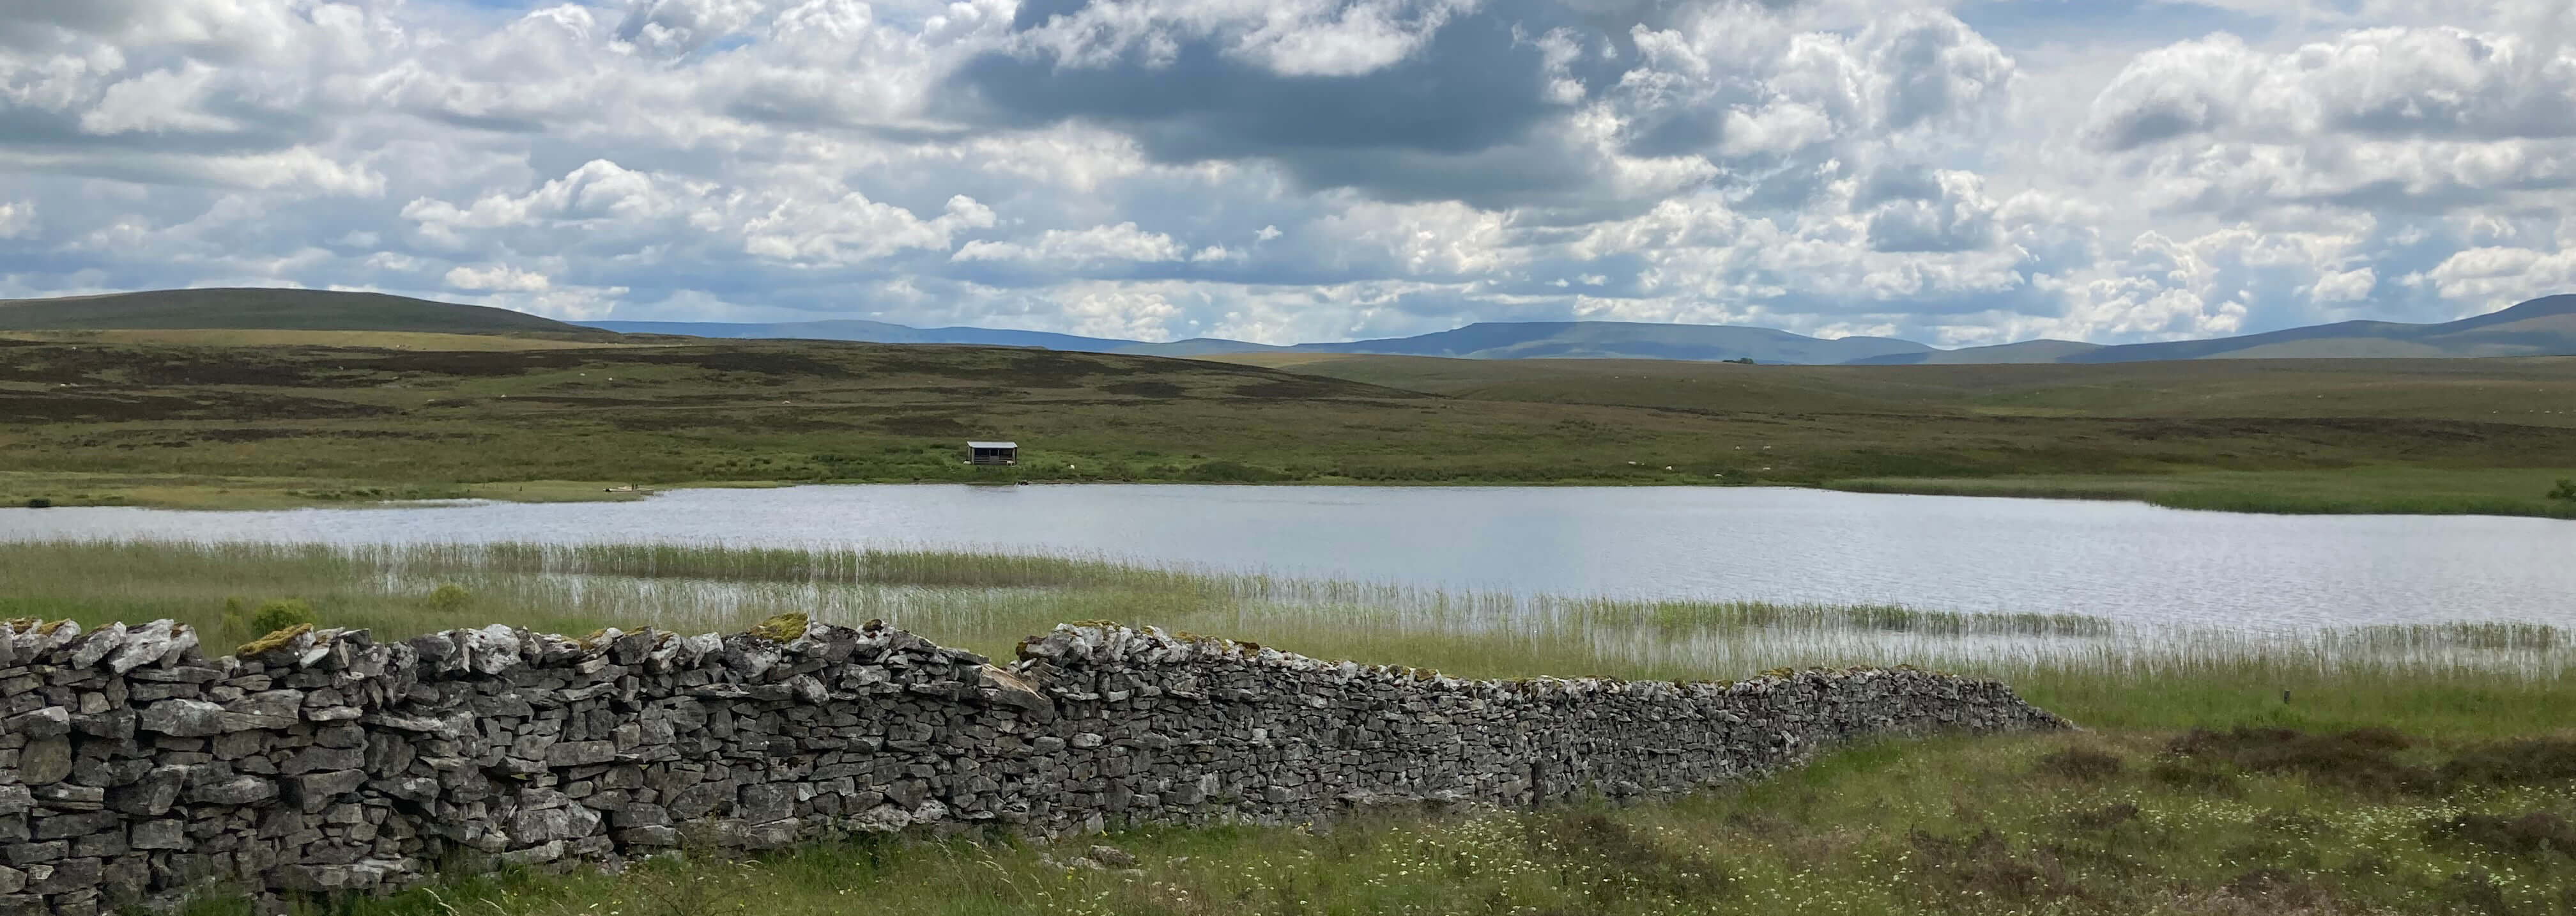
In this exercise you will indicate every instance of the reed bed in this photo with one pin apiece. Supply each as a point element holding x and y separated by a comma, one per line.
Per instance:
<point>2097,670</point>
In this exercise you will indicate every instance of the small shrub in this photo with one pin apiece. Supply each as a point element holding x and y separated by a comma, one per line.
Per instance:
<point>1983,865</point>
<point>2531,761</point>
<point>2537,833</point>
<point>450,598</point>
<point>2179,775</point>
<point>1626,861</point>
<point>2565,490</point>
<point>2279,891</point>
<point>40,503</point>
<point>2363,759</point>
<point>245,624</point>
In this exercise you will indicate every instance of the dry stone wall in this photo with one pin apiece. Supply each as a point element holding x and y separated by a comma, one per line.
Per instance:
<point>133,769</point>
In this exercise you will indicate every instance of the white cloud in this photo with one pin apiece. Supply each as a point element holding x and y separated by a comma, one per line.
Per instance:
<point>1122,242</point>
<point>17,219</point>
<point>2349,286</point>
<point>2486,279</point>
<point>1836,166</point>
<point>500,278</point>
<point>854,228</point>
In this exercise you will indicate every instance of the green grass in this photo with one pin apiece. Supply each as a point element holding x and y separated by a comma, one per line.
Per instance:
<point>2001,825</point>
<point>2090,824</point>
<point>207,426</point>
<point>2380,490</point>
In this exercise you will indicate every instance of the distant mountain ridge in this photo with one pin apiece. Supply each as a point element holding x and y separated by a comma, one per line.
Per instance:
<point>883,332</point>
<point>1483,340</point>
<point>2540,327</point>
<point>2544,326</point>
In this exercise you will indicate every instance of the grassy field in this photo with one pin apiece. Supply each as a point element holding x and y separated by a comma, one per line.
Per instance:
<point>2460,802</point>
<point>2522,391</point>
<point>161,418</point>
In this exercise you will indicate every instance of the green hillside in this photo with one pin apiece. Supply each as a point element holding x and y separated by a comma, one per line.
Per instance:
<point>274,309</point>
<point>141,422</point>
<point>2534,391</point>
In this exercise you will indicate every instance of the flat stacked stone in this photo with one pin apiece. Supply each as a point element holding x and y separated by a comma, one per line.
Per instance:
<point>133,769</point>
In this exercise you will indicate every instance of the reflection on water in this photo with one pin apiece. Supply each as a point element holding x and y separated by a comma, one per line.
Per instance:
<point>2122,561</point>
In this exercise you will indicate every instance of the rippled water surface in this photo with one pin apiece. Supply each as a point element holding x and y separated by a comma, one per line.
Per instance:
<point>2121,560</point>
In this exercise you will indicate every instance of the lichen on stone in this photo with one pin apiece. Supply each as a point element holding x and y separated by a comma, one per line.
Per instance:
<point>272,641</point>
<point>781,628</point>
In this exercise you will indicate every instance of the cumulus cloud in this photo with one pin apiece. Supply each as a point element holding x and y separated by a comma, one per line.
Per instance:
<point>17,219</point>
<point>1122,242</point>
<point>497,278</point>
<point>1308,169</point>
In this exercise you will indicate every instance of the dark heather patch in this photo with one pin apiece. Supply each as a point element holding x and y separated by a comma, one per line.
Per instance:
<point>2539,833</point>
<point>1281,389</point>
<point>1145,389</point>
<point>922,424</point>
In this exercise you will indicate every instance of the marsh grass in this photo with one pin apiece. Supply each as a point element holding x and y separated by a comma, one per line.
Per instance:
<point>1996,825</point>
<point>2478,678</point>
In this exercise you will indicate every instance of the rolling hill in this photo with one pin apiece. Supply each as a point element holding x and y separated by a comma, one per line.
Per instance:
<point>1624,340</point>
<point>882,332</point>
<point>1483,340</point>
<point>2539,327</point>
<point>271,309</point>
<point>2028,351</point>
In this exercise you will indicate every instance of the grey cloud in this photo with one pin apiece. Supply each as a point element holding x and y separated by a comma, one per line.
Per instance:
<point>1926,226</point>
<point>1939,68</point>
<point>1463,117</point>
<point>1397,166</point>
<point>2384,83</point>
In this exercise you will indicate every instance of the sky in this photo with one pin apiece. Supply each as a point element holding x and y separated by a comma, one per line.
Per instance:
<point>1301,170</point>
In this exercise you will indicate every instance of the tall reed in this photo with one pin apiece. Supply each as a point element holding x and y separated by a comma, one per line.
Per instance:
<point>2092,667</point>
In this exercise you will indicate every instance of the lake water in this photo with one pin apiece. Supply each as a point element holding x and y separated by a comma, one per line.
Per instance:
<point>2126,561</point>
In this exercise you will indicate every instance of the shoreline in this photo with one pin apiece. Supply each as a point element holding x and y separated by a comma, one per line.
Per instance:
<point>2252,493</point>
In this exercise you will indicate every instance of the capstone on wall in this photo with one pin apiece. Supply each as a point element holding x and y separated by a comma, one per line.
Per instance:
<point>133,769</point>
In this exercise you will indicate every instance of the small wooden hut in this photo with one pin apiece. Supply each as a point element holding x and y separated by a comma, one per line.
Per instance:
<point>992,453</point>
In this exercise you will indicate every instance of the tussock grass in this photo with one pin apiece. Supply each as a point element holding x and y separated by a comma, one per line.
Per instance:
<point>1997,825</point>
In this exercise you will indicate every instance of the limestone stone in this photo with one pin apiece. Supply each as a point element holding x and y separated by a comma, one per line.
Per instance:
<point>45,761</point>
<point>330,763</point>
<point>183,718</point>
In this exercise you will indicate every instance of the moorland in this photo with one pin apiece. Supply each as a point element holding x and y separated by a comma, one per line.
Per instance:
<point>2353,770</point>
<point>284,416</point>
